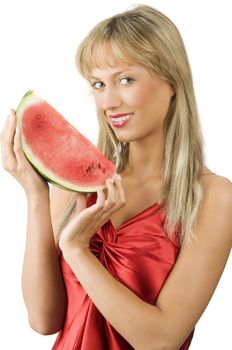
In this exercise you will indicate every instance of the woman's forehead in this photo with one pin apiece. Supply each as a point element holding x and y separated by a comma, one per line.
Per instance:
<point>106,55</point>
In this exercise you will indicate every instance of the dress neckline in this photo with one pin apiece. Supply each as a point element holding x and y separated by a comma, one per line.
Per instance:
<point>134,216</point>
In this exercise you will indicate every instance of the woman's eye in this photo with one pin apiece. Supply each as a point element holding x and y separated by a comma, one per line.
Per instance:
<point>126,81</point>
<point>97,85</point>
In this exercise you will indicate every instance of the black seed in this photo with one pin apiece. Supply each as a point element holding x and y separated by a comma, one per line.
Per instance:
<point>99,165</point>
<point>89,169</point>
<point>38,121</point>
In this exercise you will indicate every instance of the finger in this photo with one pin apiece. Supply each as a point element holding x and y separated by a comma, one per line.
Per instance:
<point>18,149</point>
<point>94,211</point>
<point>101,199</point>
<point>5,127</point>
<point>11,128</point>
<point>119,195</point>
<point>120,190</point>
<point>104,215</point>
<point>98,207</point>
<point>101,214</point>
<point>7,142</point>
<point>111,196</point>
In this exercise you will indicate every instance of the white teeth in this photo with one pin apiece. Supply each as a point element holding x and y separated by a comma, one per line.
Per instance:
<point>120,119</point>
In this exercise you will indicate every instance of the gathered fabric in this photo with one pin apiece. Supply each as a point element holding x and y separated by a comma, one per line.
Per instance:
<point>138,254</point>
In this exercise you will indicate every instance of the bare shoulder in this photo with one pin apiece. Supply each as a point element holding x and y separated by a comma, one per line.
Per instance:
<point>216,211</point>
<point>59,201</point>
<point>218,194</point>
<point>218,183</point>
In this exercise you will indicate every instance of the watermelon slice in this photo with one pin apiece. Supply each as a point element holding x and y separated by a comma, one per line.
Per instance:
<point>60,153</point>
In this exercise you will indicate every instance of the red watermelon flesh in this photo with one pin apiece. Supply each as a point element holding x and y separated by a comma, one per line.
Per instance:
<point>57,150</point>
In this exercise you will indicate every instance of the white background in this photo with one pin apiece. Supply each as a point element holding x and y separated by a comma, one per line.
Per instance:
<point>38,41</point>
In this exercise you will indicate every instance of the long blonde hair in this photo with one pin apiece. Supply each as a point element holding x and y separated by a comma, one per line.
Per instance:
<point>150,38</point>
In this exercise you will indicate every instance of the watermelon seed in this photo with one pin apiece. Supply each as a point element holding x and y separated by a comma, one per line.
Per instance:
<point>38,121</point>
<point>99,165</point>
<point>89,169</point>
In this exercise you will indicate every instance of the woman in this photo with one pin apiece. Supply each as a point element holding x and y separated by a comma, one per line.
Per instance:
<point>135,265</point>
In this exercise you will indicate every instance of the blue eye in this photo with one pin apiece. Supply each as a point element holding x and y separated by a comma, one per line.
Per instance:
<point>97,85</point>
<point>126,80</point>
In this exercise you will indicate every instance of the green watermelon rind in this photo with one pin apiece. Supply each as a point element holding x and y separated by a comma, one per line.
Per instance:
<point>50,180</point>
<point>30,98</point>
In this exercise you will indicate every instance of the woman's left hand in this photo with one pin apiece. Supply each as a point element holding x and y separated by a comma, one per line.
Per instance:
<point>87,220</point>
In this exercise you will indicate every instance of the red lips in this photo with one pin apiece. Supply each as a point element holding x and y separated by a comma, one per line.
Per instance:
<point>120,115</point>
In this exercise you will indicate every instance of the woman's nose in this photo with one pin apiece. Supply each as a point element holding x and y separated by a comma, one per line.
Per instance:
<point>110,99</point>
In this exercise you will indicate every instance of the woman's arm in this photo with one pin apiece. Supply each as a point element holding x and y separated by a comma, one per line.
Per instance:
<point>42,283</point>
<point>187,290</point>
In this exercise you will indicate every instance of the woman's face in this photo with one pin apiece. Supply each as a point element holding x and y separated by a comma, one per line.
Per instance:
<point>133,99</point>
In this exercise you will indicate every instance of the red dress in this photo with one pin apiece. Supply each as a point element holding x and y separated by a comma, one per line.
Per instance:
<point>140,256</point>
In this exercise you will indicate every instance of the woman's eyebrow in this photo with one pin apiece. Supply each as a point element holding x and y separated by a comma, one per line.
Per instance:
<point>113,75</point>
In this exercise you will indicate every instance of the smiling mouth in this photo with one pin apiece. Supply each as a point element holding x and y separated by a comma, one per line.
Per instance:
<point>120,120</point>
<point>121,117</point>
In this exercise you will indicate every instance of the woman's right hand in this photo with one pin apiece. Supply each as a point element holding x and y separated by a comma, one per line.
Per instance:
<point>15,162</point>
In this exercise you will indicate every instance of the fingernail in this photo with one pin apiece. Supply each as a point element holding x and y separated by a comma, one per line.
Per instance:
<point>99,191</point>
<point>110,181</point>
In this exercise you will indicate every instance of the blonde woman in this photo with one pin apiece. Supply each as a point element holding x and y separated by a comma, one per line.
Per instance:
<point>133,266</point>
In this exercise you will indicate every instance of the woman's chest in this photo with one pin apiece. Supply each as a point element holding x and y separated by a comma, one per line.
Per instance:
<point>138,199</point>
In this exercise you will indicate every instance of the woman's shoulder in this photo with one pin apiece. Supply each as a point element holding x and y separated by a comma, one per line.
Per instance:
<point>217,205</point>
<point>217,186</point>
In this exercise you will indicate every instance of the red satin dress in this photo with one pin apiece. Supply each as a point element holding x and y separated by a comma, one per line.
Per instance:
<point>139,255</point>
